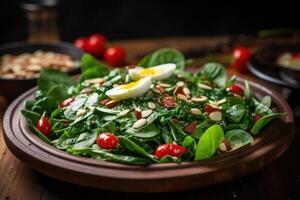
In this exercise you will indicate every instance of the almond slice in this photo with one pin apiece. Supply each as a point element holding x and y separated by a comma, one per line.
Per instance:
<point>203,86</point>
<point>199,99</point>
<point>180,84</point>
<point>215,116</point>
<point>124,112</point>
<point>195,111</point>
<point>146,113</point>
<point>139,123</point>
<point>151,105</point>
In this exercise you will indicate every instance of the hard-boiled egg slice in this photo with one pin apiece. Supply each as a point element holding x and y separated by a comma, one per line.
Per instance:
<point>133,89</point>
<point>158,72</point>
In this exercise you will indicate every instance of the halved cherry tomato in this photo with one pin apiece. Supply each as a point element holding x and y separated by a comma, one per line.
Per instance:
<point>256,117</point>
<point>107,141</point>
<point>66,102</point>
<point>241,56</point>
<point>235,89</point>
<point>115,55</point>
<point>82,43</point>
<point>173,150</point>
<point>96,44</point>
<point>44,126</point>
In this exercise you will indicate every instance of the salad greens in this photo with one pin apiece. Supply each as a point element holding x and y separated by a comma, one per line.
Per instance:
<point>199,112</point>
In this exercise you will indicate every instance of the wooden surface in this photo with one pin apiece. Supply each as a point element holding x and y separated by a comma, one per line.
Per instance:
<point>279,180</point>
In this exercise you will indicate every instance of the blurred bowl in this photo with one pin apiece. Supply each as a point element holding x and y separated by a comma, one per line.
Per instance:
<point>13,87</point>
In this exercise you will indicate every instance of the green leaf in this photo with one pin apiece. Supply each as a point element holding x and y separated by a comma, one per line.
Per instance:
<point>167,55</point>
<point>50,78</point>
<point>259,124</point>
<point>149,131</point>
<point>247,91</point>
<point>65,141</point>
<point>216,72</point>
<point>145,61</point>
<point>236,112</point>
<point>238,138</point>
<point>267,101</point>
<point>92,68</point>
<point>168,159</point>
<point>58,93</point>
<point>135,148</point>
<point>31,116</point>
<point>85,140</point>
<point>104,155</point>
<point>209,142</point>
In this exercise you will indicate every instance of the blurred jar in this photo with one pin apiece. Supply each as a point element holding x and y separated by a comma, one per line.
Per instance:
<point>42,24</point>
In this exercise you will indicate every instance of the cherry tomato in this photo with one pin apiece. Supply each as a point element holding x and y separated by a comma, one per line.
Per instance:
<point>256,117</point>
<point>96,44</point>
<point>235,89</point>
<point>82,43</point>
<point>44,126</point>
<point>295,55</point>
<point>115,55</point>
<point>66,102</point>
<point>174,150</point>
<point>107,141</point>
<point>241,56</point>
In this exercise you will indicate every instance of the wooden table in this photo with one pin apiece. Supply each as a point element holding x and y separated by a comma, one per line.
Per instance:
<point>279,180</point>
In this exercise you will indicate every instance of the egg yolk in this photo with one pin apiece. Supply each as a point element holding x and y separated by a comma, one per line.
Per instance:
<point>149,72</point>
<point>130,85</point>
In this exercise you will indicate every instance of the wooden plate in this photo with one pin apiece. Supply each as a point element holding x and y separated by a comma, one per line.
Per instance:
<point>268,146</point>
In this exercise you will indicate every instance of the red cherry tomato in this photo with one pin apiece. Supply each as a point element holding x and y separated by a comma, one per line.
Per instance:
<point>241,56</point>
<point>115,56</point>
<point>96,44</point>
<point>66,102</point>
<point>256,117</point>
<point>235,89</point>
<point>82,43</point>
<point>44,126</point>
<point>173,150</point>
<point>107,141</point>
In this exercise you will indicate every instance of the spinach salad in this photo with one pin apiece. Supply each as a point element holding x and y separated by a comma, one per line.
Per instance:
<point>154,112</point>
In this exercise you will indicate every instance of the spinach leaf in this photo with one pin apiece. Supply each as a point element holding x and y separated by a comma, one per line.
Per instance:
<point>104,155</point>
<point>167,55</point>
<point>65,141</point>
<point>209,142</point>
<point>31,116</point>
<point>168,159</point>
<point>266,101</point>
<point>149,131</point>
<point>45,104</point>
<point>50,78</point>
<point>92,68</point>
<point>216,72</point>
<point>261,108</point>
<point>107,111</point>
<point>85,140</point>
<point>133,147</point>
<point>238,138</point>
<point>166,135</point>
<point>236,112</point>
<point>57,93</point>
<point>259,124</point>
<point>145,61</point>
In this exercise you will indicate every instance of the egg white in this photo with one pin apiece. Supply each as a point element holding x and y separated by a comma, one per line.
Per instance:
<point>133,89</point>
<point>158,72</point>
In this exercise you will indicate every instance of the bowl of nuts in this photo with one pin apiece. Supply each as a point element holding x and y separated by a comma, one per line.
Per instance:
<point>21,62</point>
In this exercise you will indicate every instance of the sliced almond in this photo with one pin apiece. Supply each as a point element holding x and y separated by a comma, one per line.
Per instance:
<point>146,113</point>
<point>165,85</point>
<point>160,89</point>
<point>124,112</point>
<point>178,90</point>
<point>182,97</point>
<point>195,111</point>
<point>111,103</point>
<point>139,123</point>
<point>104,101</point>
<point>85,90</point>
<point>221,101</point>
<point>215,116</point>
<point>199,99</point>
<point>94,80</point>
<point>186,91</point>
<point>180,84</point>
<point>222,147</point>
<point>203,86</point>
<point>151,105</point>
<point>80,112</point>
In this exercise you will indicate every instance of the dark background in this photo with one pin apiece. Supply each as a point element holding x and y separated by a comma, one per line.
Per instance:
<point>128,19</point>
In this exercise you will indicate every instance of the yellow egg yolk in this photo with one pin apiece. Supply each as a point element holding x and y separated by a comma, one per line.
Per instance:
<point>149,72</point>
<point>130,85</point>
